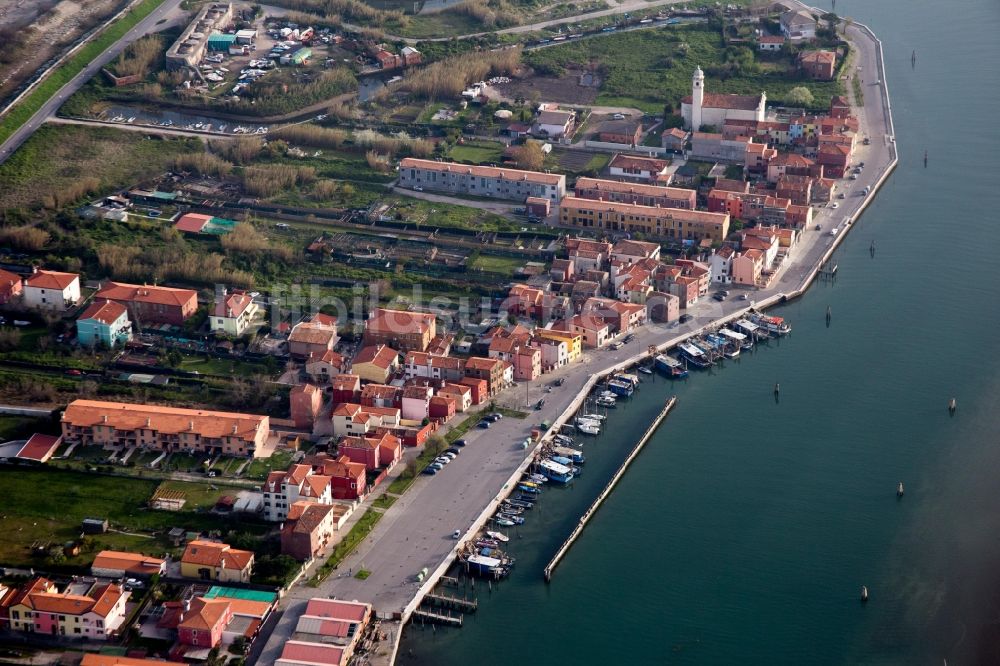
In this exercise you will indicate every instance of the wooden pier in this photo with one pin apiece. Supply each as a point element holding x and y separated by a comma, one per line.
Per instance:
<point>589,513</point>
<point>431,617</point>
<point>452,603</point>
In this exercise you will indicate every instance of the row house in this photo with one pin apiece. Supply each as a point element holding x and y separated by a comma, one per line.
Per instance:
<point>562,270</point>
<point>649,169</point>
<point>554,352</point>
<point>720,264</point>
<point>479,388</point>
<point>623,318</point>
<point>427,366</point>
<point>627,252</point>
<point>593,330</point>
<point>573,342</point>
<point>282,489</point>
<point>351,419</point>
<point>345,388</point>
<point>305,401</point>
<point>527,362</point>
<point>400,329</point>
<point>632,282</point>
<point>588,254</point>
<point>790,164</point>
<point>758,157</point>
<point>638,193</point>
<point>454,178</point>
<point>747,267</point>
<point>763,131</point>
<point>835,158</point>
<point>38,607</point>
<point>348,480</point>
<point>460,393</point>
<point>798,189</point>
<point>490,370</point>
<point>415,403</point>
<point>382,395</point>
<point>441,408</point>
<point>376,363</point>
<point>152,304</point>
<point>168,429</point>
<point>715,146</point>
<point>372,451</point>
<point>673,223</point>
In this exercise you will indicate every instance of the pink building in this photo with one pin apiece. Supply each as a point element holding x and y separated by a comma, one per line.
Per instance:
<point>416,399</point>
<point>305,401</point>
<point>373,451</point>
<point>747,267</point>
<point>527,363</point>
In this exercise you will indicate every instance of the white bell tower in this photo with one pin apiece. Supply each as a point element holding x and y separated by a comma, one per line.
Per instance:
<point>697,98</point>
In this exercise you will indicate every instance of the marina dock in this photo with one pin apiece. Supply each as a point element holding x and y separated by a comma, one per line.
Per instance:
<point>430,617</point>
<point>589,513</point>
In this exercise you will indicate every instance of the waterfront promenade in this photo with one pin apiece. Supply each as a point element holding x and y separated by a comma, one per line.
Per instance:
<point>416,531</point>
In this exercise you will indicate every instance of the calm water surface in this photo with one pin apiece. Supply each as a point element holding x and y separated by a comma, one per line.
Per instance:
<point>746,528</point>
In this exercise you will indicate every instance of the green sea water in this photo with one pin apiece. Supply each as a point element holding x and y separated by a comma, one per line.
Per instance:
<point>746,528</point>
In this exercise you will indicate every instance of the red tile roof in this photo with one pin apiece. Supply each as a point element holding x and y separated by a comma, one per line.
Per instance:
<point>214,554</point>
<point>723,101</point>
<point>51,280</point>
<point>233,304</point>
<point>192,222</point>
<point>381,356</point>
<point>38,447</point>
<point>485,172</point>
<point>399,321</point>
<point>106,312</point>
<point>142,293</point>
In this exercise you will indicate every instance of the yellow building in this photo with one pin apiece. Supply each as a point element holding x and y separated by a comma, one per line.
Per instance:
<point>676,223</point>
<point>574,342</point>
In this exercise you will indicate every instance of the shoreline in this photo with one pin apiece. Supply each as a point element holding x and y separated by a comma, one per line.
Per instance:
<point>771,301</point>
<point>410,523</point>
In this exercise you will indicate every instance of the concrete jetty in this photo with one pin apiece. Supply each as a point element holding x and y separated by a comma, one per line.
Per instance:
<point>589,513</point>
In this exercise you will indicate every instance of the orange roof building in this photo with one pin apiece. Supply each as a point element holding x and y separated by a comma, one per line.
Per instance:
<point>118,564</point>
<point>400,329</point>
<point>51,290</point>
<point>211,560</point>
<point>154,304</point>
<point>480,180</point>
<point>40,608</point>
<point>164,428</point>
<point>671,223</point>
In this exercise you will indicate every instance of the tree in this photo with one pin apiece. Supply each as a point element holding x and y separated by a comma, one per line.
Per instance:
<point>529,156</point>
<point>799,96</point>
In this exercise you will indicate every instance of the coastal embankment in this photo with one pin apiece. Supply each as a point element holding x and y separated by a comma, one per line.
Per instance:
<point>589,513</point>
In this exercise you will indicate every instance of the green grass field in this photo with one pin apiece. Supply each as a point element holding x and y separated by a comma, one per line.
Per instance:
<point>494,264</point>
<point>648,68</point>
<point>261,467</point>
<point>221,367</point>
<point>477,153</point>
<point>46,506</point>
<point>73,66</point>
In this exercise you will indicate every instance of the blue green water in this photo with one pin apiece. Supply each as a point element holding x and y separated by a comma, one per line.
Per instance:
<point>744,531</point>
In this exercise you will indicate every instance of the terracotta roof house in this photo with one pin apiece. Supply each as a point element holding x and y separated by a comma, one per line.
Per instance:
<point>305,401</point>
<point>299,653</point>
<point>400,329</point>
<point>39,607</point>
<point>311,339</point>
<point>210,560</point>
<point>818,65</point>
<point>376,363</point>
<point>299,482</point>
<point>641,168</point>
<point>307,530</point>
<point>104,323</point>
<point>51,290</point>
<point>118,564</point>
<point>152,304</point>
<point>10,286</point>
<point>628,132</point>
<point>372,451</point>
<point>639,193</point>
<point>500,183</point>
<point>163,428</point>
<point>234,312</point>
<point>203,622</point>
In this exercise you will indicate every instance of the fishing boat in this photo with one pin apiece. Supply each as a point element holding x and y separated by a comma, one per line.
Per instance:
<point>627,378</point>
<point>511,510</point>
<point>739,339</point>
<point>607,394</point>
<point>732,352</point>
<point>518,520</point>
<point>498,536</point>
<point>563,440</point>
<point>573,454</point>
<point>499,520</point>
<point>645,370</point>
<point>588,423</point>
<point>670,365</point>
<point>607,402</point>
<point>487,543</point>
<point>536,478</point>
<point>775,326</point>
<point>621,388</point>
<point>485,566</point>
<point>556,471</point>
<point>531,490</point>
<point>525,500</point>
<point>520,504</point>
<point>589,429</point>
<point>750,329</point>
<point>694,355</point>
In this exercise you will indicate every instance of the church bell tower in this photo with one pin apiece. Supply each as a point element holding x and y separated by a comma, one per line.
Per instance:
<point>697,98</point>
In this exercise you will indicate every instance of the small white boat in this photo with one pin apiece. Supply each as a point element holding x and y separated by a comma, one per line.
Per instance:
<point>499,536</point>
<point>864,594</point>
<point>588,429</point>
<point>644,370</point>
<point>131,119</point>
<point>593,417</point>
<point>899,489</point>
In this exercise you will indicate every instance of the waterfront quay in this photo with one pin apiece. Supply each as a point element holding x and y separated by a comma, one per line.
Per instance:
<point>415,533</point>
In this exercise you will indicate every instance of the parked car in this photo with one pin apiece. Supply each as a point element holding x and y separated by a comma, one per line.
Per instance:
<point>457,534</point>
<point>628,338</point>
<point>430,471</point>
<point>540,404</point>
<point>459,443</point>
<point>484,425</point>
<point>452,450</point>
<point>685,318</point>
<point>494,417</point>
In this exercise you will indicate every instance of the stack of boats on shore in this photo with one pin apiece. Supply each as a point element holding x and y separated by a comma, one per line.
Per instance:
<point>705,350</point>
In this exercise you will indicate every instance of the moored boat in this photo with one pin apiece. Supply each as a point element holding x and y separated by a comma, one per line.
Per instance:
<point>694,355</point>
<point>645,370</point>
<point>573,454</point>
<point>588,429</point>
<point>556,471</point>
<point>670,365</point>
<point>621,388</point>
<point>775,326</point>
<point>498,536</point>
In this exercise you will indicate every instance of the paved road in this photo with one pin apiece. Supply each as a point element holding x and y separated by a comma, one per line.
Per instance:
<point>168,10</point>
<point>415,532</point>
